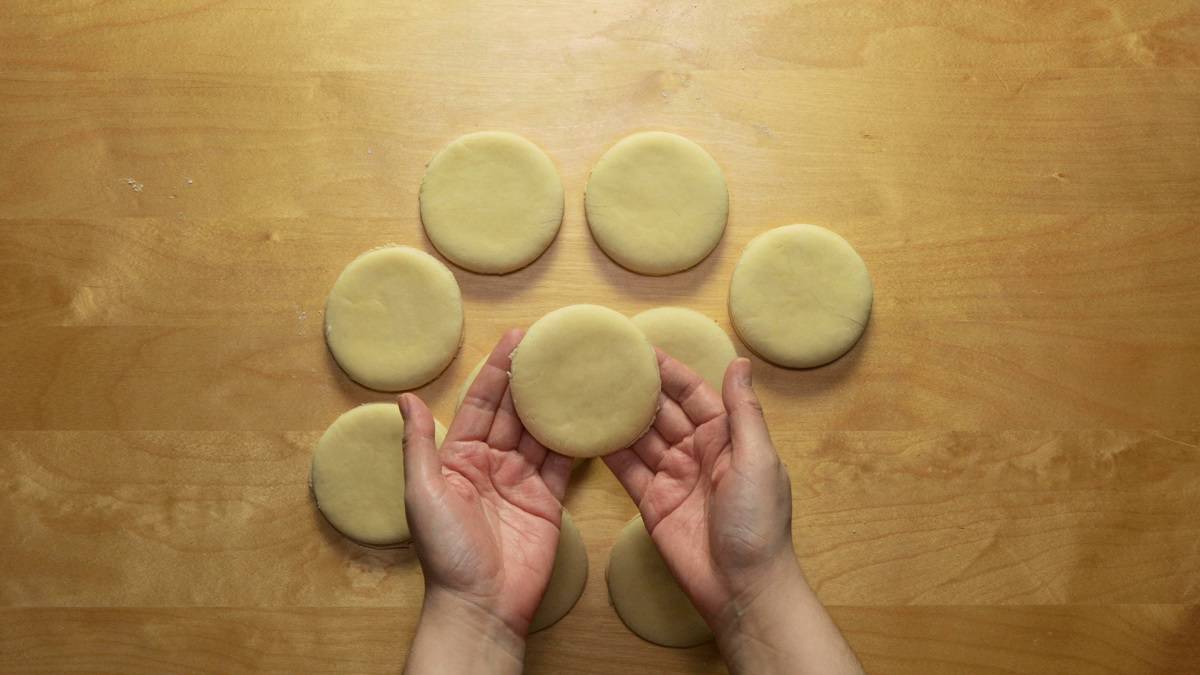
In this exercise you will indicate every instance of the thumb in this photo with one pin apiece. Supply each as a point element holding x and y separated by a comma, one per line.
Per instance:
<point>421,464</point>
<point>747,427</point>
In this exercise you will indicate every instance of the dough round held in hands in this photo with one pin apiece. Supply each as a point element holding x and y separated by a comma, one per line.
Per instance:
<point>358,474</point>
<point>691,338</point>
<point>800,296</point>
<point>585,381</point>
<point>566,580</point>
<point>491,202</point>
<point>645,594</point>
<point>394,319</point>
<point>656,203</point>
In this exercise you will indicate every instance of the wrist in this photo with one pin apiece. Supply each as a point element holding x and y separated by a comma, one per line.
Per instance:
<point>781,627</point>
<point>457,635</point>
<point>754,612</point>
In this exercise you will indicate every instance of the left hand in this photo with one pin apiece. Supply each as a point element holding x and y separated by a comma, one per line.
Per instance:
<point>485,510</point>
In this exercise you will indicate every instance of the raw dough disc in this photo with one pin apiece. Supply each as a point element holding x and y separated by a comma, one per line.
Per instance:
<point>394,318</point>
<point>358,474</point>
<point>491,202</point>
<point>656,203</point>
<point>690,337</point>
<point>567,580</point>
<point>800,296</point>
<point>466,386</point>
<point>585,381</point>
<point>646,595</point>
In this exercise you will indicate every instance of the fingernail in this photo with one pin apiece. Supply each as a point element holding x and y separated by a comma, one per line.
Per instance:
<point>404,405</point>
<point>747,375</point>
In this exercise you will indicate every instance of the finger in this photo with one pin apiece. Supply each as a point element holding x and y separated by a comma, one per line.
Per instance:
<point>631,472</point>
<point>474,418</point>
<point>694,395</point>
<point>533,452</point>
<point>747,427</point>
<point>671,422</point>
<point>651,447</point>
<point>506,426</point>
<point>422,468</point>
<point>555,472</point>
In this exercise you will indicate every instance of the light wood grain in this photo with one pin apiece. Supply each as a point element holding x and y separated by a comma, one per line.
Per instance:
<point>1002,477</point>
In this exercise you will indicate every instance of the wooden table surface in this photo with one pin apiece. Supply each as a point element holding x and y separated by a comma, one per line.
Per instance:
<point>1002,477</point>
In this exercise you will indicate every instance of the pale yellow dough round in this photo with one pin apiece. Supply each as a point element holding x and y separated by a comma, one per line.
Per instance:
<point>690,337</point>
<point>656,203</point>
<point>394,319</point>
<point>566,580</point>
<point>585,381</point>
<point>358,474</point>
<point>466,386</point>
<point>800,296</point>
<point>646,595</point>
<point>491,202</point>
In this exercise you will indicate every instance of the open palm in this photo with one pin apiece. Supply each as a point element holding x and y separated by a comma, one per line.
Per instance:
<point>485,509</point>
<point>711,489</point>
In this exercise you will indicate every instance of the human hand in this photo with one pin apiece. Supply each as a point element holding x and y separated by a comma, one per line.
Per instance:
<point>484,512</point>
<point>712,491</point>
<point>717,502</point>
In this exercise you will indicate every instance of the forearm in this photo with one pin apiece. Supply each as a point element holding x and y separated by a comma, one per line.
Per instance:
<point>784,629</point>
<point>455,636</point>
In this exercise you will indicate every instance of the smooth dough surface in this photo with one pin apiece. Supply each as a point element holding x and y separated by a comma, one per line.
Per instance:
<point>358,474</point>
<point>566,580</point>
<point>491,202</point>
<point>466,386</point>
<point>394,319</point>
<point>690,337</point>
<point>646,595</point>
<point>656,203</point>
<point>800,296</point>
<point>585,381</point>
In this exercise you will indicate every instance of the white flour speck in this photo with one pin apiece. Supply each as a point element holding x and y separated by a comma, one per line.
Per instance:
<point>187,181</point>
<point>134,185</point>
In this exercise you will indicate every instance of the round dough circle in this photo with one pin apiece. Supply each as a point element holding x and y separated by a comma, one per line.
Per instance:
<point>800,296</point>
<point>690,337</point>
<point>491,202</point>
<point>585,381</point>
<point>358,474</point>
<point>394,319</point>
<point>646,595</point>
<point>466,386</point>
<point>566,580</point>
<point>656,203</point>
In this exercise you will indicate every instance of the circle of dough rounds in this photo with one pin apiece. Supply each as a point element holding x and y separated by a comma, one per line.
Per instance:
<point>585,381</point>
<point>656,203</point>
<point>358,474</point>
<point>394,319</point>
<point>646,595</point>
<point>690,337</point>
<point>491,202</point>
<point>566,580</point>
<point>800,296</point>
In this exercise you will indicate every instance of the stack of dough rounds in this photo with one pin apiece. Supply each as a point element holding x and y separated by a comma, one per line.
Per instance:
<point>656,203</point>
<point>491,202</point>
<point>690,337</point>
<point>585,381</point>
<point>394,318</point>
<point>800,296</point>
<point>646,595</point>
<point>358,474</point>
<point>566,580</point>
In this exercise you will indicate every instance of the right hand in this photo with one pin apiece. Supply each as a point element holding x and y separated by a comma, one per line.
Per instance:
<point>714,496</point>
